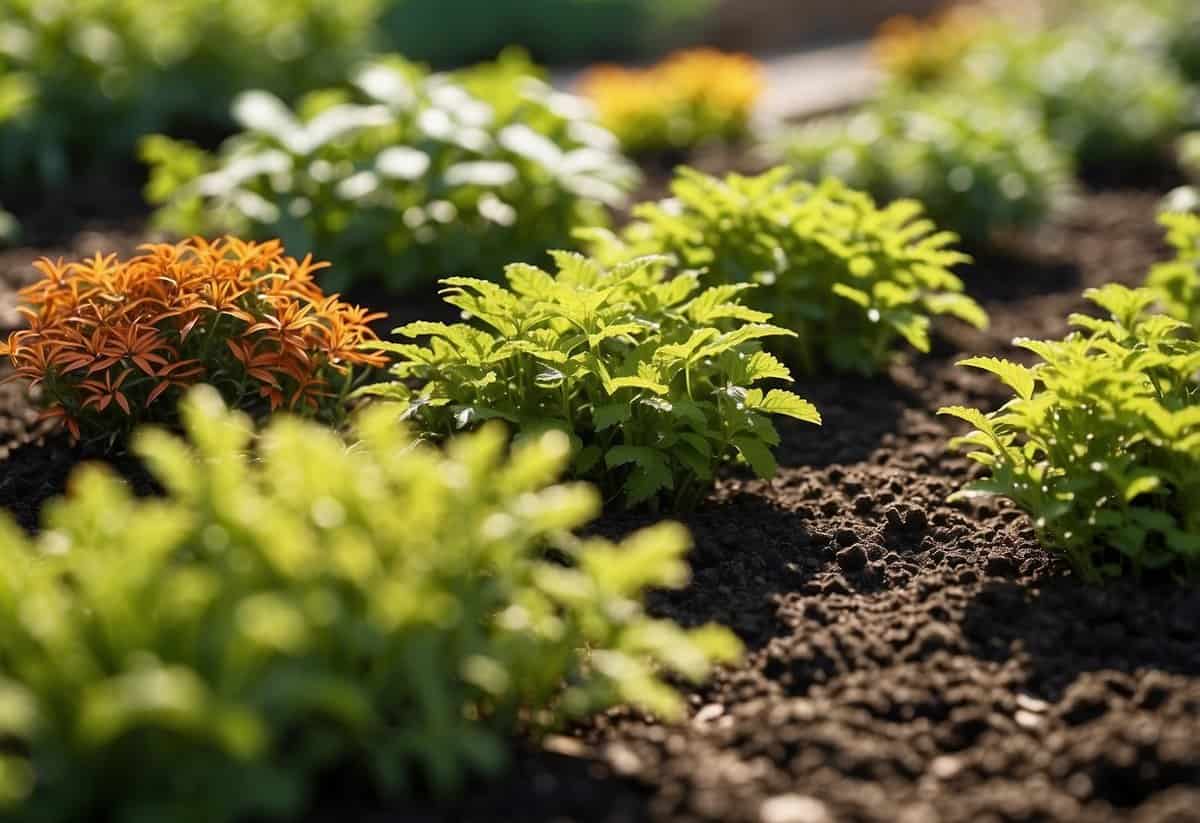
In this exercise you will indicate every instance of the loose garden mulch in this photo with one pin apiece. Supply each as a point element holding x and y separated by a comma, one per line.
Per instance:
<point>909,660</point>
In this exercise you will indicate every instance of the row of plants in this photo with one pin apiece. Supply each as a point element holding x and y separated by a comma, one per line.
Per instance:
<point>655,343</point>
<point>226,627</point>
<point>400,591</point>
<point>402,175</point>
<point>290,605</point>
<point>82,81</point>
<point>988,120</point>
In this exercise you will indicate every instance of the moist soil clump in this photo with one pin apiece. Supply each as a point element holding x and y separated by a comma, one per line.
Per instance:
<point>909,660</point>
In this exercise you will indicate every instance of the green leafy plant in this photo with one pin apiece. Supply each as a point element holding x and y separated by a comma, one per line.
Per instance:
<point>1176,283</point>
<point>456,32</point>
<point>1103,100</point>
<point>92,76</point>
<point>409,176</point>
<point>848,278</point>
<point>978,163</point>
<point>1107,95</point>
<point>1101,442</point>
<point>1170,28</point>
<point>655,380</point>
<point>389,609</point>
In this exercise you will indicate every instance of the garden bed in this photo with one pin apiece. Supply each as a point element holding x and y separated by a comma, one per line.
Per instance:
<point>909,660</point>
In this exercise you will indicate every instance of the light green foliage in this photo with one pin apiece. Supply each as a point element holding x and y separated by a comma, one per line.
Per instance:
<point>93,75</point>
<point>1104,100</point>
<point>1106,96</point>
<point>979,164</point>
<point>1186,198</point>
<point>9,227</point>
<point>455,32</point>
<point>408,176</point>
<point>655,380</point>
<point>1101,442</point>
<point>849,278</point>
<point>1176,283</point>
<point>1189,154</point>
<point>387,608</point>
<point>1170,28</point>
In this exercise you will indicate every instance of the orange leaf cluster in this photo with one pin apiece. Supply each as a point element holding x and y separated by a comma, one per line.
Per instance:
<point>692,96</point>
<point>109,341</point>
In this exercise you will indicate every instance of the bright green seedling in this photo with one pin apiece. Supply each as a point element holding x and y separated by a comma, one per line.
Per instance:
<point>407,176</point>
<point>980,164</point>
<point>1176,283</point>
<point>388,610</point>
<point>850,279</point>
<point>656,381</point>
<point>1101,443</point>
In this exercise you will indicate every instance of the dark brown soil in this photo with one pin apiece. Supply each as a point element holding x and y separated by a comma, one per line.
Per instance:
<point>910,661</point>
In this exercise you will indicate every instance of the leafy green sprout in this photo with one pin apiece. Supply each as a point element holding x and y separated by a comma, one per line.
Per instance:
<point>1100,444</point>
<point>655,380</point>
<point>292,606</point>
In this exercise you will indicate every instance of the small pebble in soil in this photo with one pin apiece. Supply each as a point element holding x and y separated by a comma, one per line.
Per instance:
<point>794,808</point>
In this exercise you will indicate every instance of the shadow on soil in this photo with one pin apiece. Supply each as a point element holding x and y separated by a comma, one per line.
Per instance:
<point>1067,629</point>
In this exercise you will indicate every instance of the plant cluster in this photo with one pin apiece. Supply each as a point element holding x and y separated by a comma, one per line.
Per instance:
<point>1106,95</point>
<point>389,610</point>
<point>1104,100</point>
<point>458,32</point>
<point>80,80</point>
<point>691,97</point>
<point>980,165</point>
<point>655,380</point>
<point>112,343</point>
<point>920,53</point>
<point>847,277</point>
<point>1101,442</point>
<point>1176,283</point>
<point>1170,28</point>
<point>408,175</point>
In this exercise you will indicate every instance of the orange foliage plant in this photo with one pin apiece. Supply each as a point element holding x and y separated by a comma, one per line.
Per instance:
<point>922,53</point>
<point>691,97</point>
<point>112,343</point>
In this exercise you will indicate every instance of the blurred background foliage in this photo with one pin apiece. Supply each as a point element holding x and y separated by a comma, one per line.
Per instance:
<point>448,33</point>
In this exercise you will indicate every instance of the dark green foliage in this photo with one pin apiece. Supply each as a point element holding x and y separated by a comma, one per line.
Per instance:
<point>91,76</point>
<point>655,380</point>
<point>387,609</point>
<point>406,176</point>
<point>848,278</point>
<point>454,32</point>
<point>1101,443</point>
<point>979,164</point>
